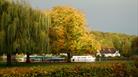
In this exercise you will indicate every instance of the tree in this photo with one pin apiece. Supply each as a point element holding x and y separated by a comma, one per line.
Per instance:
<point>119,41</point>
<point>89,44</point>
<point>68,25</point>
<point>22,29</point>
<point>135,46</point>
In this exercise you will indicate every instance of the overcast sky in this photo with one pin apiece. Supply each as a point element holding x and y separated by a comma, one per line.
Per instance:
<point>102,15</point>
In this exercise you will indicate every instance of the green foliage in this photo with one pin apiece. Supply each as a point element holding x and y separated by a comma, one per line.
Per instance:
<point>22,29</point>
<point>122,42</point>
<point>135,46</point>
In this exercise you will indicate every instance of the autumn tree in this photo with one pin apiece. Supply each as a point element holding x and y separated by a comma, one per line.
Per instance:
<point>68,27</point>
<point>89,45</point>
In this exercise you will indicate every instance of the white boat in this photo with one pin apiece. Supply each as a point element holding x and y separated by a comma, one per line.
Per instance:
<point>83,59</point>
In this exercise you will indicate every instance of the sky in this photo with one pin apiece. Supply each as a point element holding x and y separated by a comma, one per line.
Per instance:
<point>119,16</point>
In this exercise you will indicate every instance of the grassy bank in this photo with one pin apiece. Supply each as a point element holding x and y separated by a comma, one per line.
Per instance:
<point>97,69</point>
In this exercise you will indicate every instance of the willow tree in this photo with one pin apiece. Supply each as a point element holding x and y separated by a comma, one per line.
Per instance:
<point>68,25</point>
<point>22,29</point>
<point>7,24</point>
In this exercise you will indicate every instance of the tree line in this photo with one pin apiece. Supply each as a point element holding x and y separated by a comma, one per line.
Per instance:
<point>62,29</point>
<point>126,44</point>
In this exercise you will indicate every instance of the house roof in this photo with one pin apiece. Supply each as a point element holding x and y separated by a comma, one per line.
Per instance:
<point>108,50</point>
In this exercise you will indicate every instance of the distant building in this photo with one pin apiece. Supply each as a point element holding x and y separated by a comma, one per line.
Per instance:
<point>108,52</point>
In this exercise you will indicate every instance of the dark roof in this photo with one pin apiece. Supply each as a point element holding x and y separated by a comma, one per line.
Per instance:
<point>108,50</point>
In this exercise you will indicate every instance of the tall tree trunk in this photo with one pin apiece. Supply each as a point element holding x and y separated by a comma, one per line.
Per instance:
<point>9,59</point>
<point>68,57</point>
<point>28,58</point>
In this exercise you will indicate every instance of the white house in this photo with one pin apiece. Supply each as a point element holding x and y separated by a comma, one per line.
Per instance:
<point>83,59</point>
<point>108,52</point>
